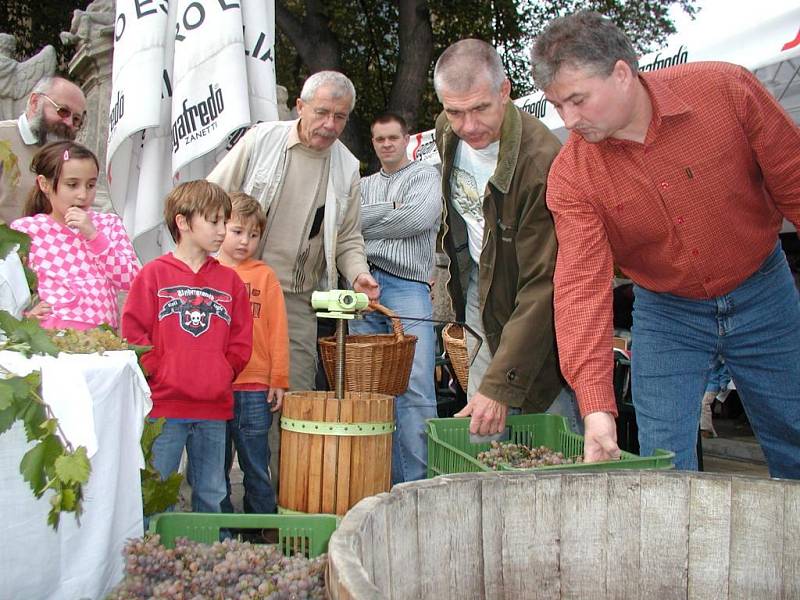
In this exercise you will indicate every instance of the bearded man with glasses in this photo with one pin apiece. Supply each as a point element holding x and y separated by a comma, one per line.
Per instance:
<point>56,110</point>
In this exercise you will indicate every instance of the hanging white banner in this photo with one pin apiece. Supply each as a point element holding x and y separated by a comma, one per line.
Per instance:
<point>206,76</point>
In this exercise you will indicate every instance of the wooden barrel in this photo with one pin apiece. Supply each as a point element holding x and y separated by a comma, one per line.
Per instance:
<point>334,452</point>
<point>619,534</point>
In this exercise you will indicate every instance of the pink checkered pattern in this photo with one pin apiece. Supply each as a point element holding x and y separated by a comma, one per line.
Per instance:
<point>80,279</point>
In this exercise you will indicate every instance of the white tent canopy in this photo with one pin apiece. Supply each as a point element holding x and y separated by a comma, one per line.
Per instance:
<point>766,42</point>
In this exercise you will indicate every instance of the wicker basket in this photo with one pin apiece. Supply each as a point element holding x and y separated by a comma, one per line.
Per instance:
<point>455,344</point>
<point>379,363</point>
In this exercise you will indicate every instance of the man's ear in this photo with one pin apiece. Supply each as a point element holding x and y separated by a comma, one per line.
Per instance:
<point>622,72</point>
<point>505,90</point>
<point>32,105</point>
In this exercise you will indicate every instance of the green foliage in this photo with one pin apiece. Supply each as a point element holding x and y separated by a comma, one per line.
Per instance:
<point>52,463</point>
<point>157,494</point>
<point>11,239</point>
<point>367,35</point>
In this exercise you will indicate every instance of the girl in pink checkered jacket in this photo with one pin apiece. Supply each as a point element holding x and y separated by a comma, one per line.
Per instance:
<point>82,259</point>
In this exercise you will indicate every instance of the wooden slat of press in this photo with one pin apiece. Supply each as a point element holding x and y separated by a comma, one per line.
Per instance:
<point>288,456</point>
<point>791,541</point>
<point>709,537</point>
<point>508,537</point>
<point>371,445</point>
<point>583,536</point>
<point>622,537</point>
<point>343,458</point>
<point>303,452</point>
<point>357,456</point>
<point>449,519</point>
<point>664,535</point>
<point>756,554</point>
<point>401,519</point>
<point>386,443</point>
<point>314,501</point>
<point>330,451</point>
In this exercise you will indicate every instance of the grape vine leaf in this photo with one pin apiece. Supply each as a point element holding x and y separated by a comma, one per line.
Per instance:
<point>11,239</point>
<point>33,463</point>
<point>7,418</point>
<point>158,495</point>
<point>73,467</point>
<point>6,395</point>
<point>26,336</point>
<point>68,499</point>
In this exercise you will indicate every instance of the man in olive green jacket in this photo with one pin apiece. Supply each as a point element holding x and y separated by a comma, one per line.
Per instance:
<point>499,234</point>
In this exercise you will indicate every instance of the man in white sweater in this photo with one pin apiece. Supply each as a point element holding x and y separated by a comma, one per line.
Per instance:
<point>400,214</point>
<point>308,184</point>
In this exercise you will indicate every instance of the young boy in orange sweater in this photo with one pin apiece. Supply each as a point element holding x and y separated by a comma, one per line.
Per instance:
<point>258,391</point>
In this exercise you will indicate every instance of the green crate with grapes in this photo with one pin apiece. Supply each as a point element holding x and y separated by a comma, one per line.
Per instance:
<point>540,442</point>
<point>294,534</point>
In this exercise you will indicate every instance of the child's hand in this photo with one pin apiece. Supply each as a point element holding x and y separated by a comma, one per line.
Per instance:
<point>275,397</point>
<point>40,311</point>
<point>79,219</point>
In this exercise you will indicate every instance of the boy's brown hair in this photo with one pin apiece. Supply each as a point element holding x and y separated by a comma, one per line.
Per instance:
<point>192,198</point>
<point>246,209</point>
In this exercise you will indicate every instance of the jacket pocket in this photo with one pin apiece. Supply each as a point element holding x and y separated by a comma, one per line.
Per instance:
<point>193,376</point>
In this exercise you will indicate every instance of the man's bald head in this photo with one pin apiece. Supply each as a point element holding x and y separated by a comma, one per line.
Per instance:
<point>56,109</point>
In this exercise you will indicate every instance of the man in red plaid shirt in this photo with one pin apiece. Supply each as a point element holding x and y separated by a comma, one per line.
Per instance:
<point>682,178</point>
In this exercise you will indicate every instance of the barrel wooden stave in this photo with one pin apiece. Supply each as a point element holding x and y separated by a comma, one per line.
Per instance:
<point>621,534</point>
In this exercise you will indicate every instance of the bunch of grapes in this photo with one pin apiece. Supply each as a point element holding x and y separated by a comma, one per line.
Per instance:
<point>224,570</point>
<point>522,457</point>
<point>86,342</point>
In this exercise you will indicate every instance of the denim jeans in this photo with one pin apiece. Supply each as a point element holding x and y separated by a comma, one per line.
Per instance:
<point>755,329</point>
<point>418,404</point>
<point>205,446</point>
<point>247,432</point>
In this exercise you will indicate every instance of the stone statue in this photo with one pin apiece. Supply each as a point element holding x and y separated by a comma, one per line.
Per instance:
<point>18,78</point>
<point>88,24</point>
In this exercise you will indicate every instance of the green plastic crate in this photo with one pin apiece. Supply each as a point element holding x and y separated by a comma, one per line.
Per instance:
<point>304,534</point>
<point>450,451</point>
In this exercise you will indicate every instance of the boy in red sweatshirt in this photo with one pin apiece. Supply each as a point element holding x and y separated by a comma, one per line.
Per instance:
<point>258,391</point>
<point>196,315</point>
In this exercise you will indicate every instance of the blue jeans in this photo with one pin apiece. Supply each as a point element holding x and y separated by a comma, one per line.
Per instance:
<point>247,432</point>
<point>755,329</point>
<point>205,446</point>
<point>418,404</point>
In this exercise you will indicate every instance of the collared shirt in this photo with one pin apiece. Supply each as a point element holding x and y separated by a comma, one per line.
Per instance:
<point>693,211</point>
<point>25,131</point>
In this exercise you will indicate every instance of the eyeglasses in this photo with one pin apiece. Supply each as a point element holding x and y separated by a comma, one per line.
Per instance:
<point>65,113</point>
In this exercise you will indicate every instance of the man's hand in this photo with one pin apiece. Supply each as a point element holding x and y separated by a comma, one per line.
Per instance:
<point>366,284</point>
<point>600,437</point>
<point>275,398</point>
<point>488,416</point>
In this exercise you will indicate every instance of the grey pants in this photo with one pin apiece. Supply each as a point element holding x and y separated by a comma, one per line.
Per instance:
<point>564,404</point>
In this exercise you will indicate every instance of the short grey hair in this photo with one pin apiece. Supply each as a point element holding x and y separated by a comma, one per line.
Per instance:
<point>457,66</point>
<point>582,39</point>
<point>342,86</point>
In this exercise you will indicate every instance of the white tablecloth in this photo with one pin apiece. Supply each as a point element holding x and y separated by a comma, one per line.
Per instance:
<point>79,560</point>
